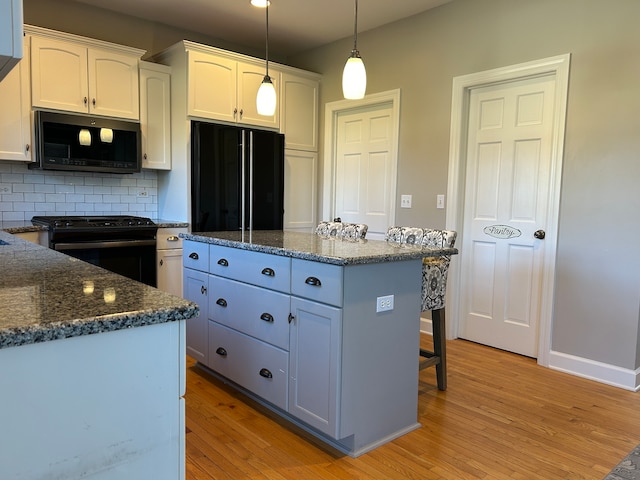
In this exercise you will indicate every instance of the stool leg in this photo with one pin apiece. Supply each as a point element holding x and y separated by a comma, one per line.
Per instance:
<point>440,346</point>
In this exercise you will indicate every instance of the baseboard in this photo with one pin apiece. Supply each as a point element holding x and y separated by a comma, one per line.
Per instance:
<point>426,326</point>
<point>592,370</point>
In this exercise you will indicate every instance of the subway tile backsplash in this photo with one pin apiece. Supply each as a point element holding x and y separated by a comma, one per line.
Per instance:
<point>25,193</point>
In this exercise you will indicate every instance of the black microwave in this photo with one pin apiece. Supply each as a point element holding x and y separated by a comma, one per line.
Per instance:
<point>86,144</point>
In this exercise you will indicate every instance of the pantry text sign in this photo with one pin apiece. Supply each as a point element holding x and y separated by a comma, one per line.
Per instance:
<point>502,231</point>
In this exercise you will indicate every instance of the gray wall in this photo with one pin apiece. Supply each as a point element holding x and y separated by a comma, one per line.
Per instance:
<point>597,298</point>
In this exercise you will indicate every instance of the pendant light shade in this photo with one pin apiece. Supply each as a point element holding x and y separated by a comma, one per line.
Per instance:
<point>266,98</point>
<point>354,75</point>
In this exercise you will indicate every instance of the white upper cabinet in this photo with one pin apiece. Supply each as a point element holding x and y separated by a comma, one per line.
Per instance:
<point>10,35</point>
<point>15,113</point>
<point>155,115</point>
<point>224,88</point>
<point>74,74</point>
<point>299,112</point>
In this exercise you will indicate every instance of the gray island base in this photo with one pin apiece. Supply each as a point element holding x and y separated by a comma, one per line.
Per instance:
<point>292,320</point>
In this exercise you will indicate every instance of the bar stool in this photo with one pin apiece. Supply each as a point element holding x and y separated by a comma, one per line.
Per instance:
<point>336,228</point>
<point>434,284</point>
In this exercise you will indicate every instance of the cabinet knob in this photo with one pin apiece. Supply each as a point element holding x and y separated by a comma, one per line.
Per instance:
<point>235,112</point>
<point>265,373</point>
<point>222,302</point>
<point>313,281</point>
<point>194,256</point>
<point>161,262</point>
<point>203,290</point>
<point>291,317</point>
<point>144,156</point>
<point>86,100</point>
<point>268,272</point>
<point>223,262</point>
<point>93,102</point>
<point>221,351</point>
<point>267,317</point>
<point>26,147</point>
<point>241,112</point>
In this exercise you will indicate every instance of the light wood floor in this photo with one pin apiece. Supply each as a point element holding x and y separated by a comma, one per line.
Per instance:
<point>502,417</point>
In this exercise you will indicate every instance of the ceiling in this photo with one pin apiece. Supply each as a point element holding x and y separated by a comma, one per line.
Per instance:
<point>294,25</point>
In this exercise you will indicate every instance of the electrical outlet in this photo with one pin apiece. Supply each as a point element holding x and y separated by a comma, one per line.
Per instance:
<point>405,201</point>
<point>439,201</point>
<point>384,304</point>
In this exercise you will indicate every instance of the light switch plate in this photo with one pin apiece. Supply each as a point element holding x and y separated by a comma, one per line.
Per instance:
<point>439,201</point>
<point>405,201</point>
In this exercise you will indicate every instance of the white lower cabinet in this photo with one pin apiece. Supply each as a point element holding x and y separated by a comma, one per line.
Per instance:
<point>169,260</point>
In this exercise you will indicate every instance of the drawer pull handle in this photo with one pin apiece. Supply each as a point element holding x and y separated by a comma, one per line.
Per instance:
<point>265,373</point>
<point>267,317</point>
<point>221,351</point>
<point>194,256</point>
<point>268,272</point>
<point>172,238</point>
<point>313,281</point>
<point>203,290</point>
<point>223,262</point>
<point>222,302</point>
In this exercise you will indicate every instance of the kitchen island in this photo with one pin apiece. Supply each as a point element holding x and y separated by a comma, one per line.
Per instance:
<point>323,331</point>
<point>92,370</point>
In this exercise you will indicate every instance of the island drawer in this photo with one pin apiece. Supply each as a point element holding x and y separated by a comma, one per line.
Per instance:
<point>195,255</point>
<point>321,282</point>
<point>260,313</point>
<point>256,268</point>
<point>259,367</point>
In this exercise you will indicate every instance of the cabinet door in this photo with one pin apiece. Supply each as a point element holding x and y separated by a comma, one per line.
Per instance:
<point>212,87</point>
<point>314,364</point>
<point>15,114</point>
<point>169,268</point>
<point>59,75</point>
<point>299,112</point>
<point>155,118</point>
<point>249,79</point>
<point>300,193</point>
<point>113,84</point>
<point>196,287</point>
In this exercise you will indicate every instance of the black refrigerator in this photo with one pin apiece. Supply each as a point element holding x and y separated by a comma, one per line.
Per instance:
<point>237,178</point>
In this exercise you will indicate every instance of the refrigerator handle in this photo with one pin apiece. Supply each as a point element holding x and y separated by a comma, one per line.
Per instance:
<point>251,180</point>
<point>243,176</point>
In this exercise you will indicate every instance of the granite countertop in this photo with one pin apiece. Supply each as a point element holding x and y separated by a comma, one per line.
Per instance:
<point>309,246</point>
<point>46,295</point>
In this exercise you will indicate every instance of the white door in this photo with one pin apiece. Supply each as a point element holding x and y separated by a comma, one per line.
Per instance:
<point>364,167</point>
<point>508,179</point>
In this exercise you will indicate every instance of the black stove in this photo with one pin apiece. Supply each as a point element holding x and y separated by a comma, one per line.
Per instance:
<point>121,243</point>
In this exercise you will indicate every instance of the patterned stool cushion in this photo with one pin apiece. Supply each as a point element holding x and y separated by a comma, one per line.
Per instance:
<point>349,231</point>
<point>434,269</point>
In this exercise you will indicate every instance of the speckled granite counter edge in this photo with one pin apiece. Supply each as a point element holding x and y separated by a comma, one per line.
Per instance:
<point>403,252</point>
<point>14,337</point>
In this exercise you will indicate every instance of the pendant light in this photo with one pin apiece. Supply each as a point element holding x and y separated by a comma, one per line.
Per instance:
<point>266,98</point>
<point>354,75</point>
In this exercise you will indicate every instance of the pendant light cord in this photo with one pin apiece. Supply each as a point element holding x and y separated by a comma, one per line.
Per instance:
<point>355,27</point>
<point>267,38</point>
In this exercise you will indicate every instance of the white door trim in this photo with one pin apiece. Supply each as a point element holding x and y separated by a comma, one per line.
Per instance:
<point>332,110</point>
<point>462,85</point>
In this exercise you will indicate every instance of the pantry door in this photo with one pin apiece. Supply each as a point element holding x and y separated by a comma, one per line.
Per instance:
<point>509,212</point>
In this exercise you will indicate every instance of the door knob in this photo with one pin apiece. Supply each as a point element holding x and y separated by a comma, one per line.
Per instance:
<point>539,234</point>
